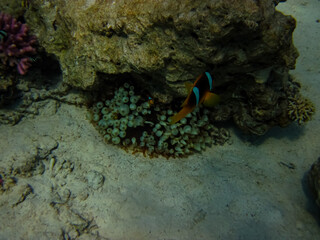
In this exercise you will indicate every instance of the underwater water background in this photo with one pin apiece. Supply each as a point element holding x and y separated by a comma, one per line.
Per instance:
<point>83,188</point>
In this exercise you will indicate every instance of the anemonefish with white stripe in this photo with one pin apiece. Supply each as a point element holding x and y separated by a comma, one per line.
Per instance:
<point>199,92</point>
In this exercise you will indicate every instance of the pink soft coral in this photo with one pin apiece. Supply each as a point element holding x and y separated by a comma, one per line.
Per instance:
<point>16,46</point>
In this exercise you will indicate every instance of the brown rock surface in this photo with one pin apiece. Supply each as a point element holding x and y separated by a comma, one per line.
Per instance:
<point>167,41</point>
<point>246,45</point>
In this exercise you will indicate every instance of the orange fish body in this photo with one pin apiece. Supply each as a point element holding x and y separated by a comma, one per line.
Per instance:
<point>199,92</point>
<point>150,101</point>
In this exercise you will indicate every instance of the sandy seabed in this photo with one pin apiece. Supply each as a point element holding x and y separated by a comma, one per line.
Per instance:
<point>71,185</point>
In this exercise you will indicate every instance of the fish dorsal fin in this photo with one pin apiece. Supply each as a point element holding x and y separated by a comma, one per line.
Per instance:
<point>211,100</point>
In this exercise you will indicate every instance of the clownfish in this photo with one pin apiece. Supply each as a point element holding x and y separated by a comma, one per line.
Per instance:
<point>150,101</point>
<point>199,92</point>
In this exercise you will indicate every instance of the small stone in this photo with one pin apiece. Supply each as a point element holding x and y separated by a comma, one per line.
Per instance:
<point>83,196</point>
<point>52,163</point>
<point>95,179</point>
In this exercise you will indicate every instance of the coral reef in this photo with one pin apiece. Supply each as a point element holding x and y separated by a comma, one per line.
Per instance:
<point>16,46</point>
<point>300,109</point>
<point>168,41</point>
<point>314,180</point>
<point>133,122</point>
<point>246,46</point>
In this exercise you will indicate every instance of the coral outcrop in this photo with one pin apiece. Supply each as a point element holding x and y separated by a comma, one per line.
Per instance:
<point>168,41</point>
<point>16,45</point>
<point>245,45</point>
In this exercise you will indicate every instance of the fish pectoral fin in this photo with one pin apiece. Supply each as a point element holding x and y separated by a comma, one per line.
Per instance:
<point>183,112</point>
<point>211,100</point>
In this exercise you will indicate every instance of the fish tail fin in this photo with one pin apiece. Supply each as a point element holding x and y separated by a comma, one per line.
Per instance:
<point>183,112</point>
<point>211,100</point>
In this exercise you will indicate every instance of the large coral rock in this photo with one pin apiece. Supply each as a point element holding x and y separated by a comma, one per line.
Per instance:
<point>168,41</point>
<point>246,45</point>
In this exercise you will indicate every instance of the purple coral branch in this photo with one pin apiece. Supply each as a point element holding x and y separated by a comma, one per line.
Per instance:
<point>17,47</point>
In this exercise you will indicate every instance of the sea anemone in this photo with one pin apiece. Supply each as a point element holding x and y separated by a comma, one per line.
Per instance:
<point>16,46</point>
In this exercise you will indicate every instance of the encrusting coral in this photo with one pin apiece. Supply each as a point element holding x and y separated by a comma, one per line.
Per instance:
<point>300,109</point>
<point>134,122</point>
<point>16,46</point>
